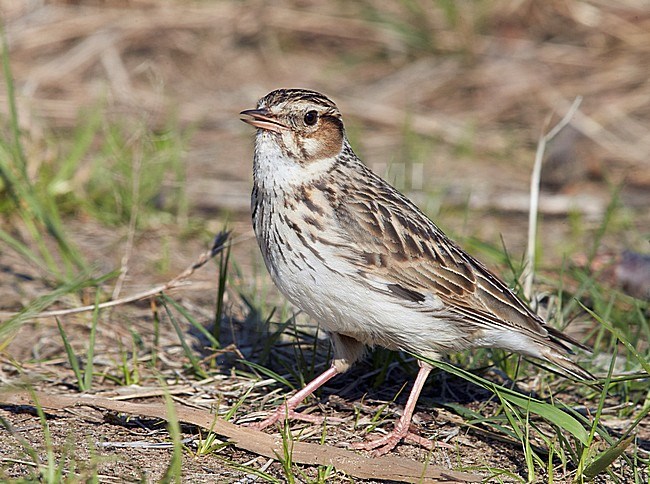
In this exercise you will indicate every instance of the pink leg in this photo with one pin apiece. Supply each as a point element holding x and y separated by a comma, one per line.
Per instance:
<point>401,431</point>
<point>287,410</point>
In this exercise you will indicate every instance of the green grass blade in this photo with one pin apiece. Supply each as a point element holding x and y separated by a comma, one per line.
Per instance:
<point>185,313</point>
<point>37,208</point>
<point>22,249</point>
<point>223,279</point>
<point>270,373</point>
<point>9,327</point>
<point>90,354</point>
<point>19,152</point>
<point>72,358</point>
<point>523,437</point>
<point>22,441</point>
<point>249,470</point>
<point>231,413</point>
<point>83,140</point>
<point>538,407</point>
<point>50,467</point>
<point>605,459</point>
<point>475,418</point>
<point>194,361</point>
<point>645,364</point>
<point>174,470</point>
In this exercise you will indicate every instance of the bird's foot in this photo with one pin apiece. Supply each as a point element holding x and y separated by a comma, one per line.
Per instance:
<point>385,444</point>
<point>282,414</point>
<point>287,411</point>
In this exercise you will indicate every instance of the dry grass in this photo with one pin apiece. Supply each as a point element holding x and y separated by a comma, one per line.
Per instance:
<point>466,91</point>
<point>484,67</point>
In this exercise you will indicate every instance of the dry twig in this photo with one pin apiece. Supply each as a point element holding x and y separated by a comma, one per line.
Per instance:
<point>218,245</point>
<point>529,268</point>
<point>388,467</point>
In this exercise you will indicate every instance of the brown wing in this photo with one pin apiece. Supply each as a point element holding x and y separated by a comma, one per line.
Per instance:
<point>390,238</point>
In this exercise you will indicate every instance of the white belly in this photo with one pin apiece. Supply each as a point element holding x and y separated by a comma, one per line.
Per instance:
<point>327,287</point>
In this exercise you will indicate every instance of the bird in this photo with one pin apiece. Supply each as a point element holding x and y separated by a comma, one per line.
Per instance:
<point>357,256</point>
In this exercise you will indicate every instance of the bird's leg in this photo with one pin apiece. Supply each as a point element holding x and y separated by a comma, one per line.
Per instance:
<point>402,427</point>
<point>287,409</point>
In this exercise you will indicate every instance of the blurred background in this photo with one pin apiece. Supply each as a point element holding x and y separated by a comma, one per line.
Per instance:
<point>127,115</point>
<point>444,98</point>
<point>447,98</point>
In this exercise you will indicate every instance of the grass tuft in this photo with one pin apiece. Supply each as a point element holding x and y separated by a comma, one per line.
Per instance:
<point>32,203</point>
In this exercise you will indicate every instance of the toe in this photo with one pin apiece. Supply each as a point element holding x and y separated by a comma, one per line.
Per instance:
<point>385,444</point>
<point>282,415</point>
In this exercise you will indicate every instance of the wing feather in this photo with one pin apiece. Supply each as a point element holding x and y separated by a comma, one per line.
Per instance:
<point>412,253</point>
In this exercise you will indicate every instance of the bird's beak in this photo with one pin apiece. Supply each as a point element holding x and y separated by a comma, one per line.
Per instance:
<point>262,118</point>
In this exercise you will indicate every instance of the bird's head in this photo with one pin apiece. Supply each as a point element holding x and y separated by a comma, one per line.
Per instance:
<point>305,125</point>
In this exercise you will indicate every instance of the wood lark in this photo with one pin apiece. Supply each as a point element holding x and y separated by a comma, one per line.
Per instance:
<point>360,258</point>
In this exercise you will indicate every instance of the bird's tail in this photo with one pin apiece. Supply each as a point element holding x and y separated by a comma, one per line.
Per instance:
<point>566,365</point>
<point>557,352</point>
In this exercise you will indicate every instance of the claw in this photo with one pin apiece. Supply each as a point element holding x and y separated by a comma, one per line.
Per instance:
<point>281,414</point>
<point>388,442</point>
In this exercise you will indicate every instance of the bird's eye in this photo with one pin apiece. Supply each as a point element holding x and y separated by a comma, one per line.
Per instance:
<point>310,118</point>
